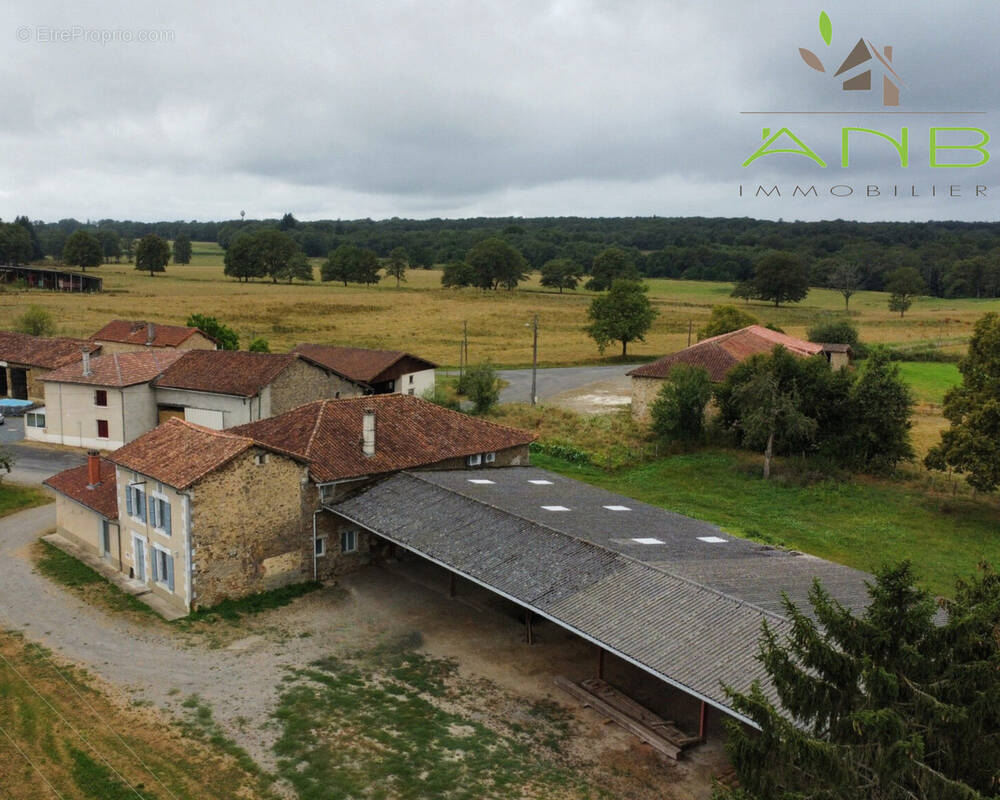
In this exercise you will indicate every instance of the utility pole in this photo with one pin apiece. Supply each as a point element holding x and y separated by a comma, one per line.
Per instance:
<point>534,359</point>
<point>463,352</point>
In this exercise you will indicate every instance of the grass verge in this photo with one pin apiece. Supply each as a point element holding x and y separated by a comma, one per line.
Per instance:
<point>863,523</point>
<point>14,497</point>
<point>234,610</point>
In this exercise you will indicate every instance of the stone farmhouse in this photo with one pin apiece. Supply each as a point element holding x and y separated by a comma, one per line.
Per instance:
<point>377,371</point>
<point>200,515</point>
<point>105,402</point>
<point>123,335</point>
<point>719,354</point>
<point>25,361</point>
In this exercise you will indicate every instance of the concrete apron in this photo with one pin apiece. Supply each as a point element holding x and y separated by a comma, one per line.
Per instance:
<point>137,589</point>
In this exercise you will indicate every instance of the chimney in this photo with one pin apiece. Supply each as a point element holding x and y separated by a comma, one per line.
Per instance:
<point>150,333</point>
<point>93,468</point>
<point>368,433</point>
<point>86,361</point>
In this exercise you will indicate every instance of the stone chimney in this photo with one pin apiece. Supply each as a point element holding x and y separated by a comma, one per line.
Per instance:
<point>93,468</point>
<point>368,433</point>
<point>150,333</point>
<point>86,361</point>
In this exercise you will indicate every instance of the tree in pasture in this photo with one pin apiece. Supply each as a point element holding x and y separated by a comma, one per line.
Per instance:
<point>678,412</point>
<point>623,315</point>
<point>111,244</point>
<point>128,248</point>
<point>769,408</point>
<point>457,274</point>
<point>243,259</point>
<point>496,264</point>
<point>971,443</point>
<point>182,249</point>
<point>561,273</point>
<point>780,278</point>
<point>349,263</point>
<point>152,254</point>
<point>885,704</point>
<point>227,338</point>
<point>904,286</point>
<point>396,265</point>
<point>845,278</point>
<point>83,250</point>
<point>276,251</point>
<point>299,267</point>
<point>611,265</point>
<point>36,321</point>
<point>725,319</point>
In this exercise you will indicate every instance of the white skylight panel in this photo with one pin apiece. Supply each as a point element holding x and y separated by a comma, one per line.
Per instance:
<point>618,508</point>
<point>479,480</point>
<point>648,540</point>
<point>555,508</point>
<point>540,482</point>
<point>712,539</point>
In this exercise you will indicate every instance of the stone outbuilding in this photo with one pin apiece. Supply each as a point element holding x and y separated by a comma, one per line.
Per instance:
<point>376,371</point>
<point>25,360</point>
<point>125,335</point>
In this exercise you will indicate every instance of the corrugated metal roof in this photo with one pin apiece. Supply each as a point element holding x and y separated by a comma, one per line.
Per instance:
<point>690,634</point>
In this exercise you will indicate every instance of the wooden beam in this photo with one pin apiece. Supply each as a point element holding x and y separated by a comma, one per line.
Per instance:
<point>528,635</point>
<point>703,722</point>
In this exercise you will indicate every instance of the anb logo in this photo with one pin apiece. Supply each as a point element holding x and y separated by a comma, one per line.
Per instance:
<point>864,54</point>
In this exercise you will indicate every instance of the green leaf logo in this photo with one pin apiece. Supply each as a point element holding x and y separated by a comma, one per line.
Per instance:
<point>825,28</point>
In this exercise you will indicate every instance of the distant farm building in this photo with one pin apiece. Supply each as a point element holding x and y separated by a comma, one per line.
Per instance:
<point>718,355</point>
<point>56,279</point>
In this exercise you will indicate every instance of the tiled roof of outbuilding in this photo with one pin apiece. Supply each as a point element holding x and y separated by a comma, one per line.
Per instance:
<point>234,372</point>
<point>75,484</point>
<point>127,331</point>
<point>721,353</point>
<point>118,369</point>
<point>409,432</point>
<point>358,363</point>
<point>42,351</point>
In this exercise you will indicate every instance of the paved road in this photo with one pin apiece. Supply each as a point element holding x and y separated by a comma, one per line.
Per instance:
<point>554,380</point>
<point>34,463</point>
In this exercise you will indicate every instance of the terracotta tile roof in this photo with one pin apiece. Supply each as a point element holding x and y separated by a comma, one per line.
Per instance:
<point>721,353</point>
<point>409,432</point>
<point>118,369</point>
<point>180,453</point>
<point>73,483</point>
<point>42,351</point>
<point>129,331</point>
<point>234,372</point>
<point>359,364</point>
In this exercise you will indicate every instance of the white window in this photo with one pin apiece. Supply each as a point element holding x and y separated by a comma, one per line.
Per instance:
<point>475,460</point>
<point>163,567</point>
<point>348,541</point>
<point>490,458</point>
<point>159,513</point>
<point>35,419</point>
<point>320,546</point>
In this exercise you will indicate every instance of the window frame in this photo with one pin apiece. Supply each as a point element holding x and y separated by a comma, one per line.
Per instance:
<point>98,394</point>
<point>156,520</point>
<point>137,488</point>
<point>350,534</point>
<point>319,548</point>
<point>107,429</point>
<point>155,552</point>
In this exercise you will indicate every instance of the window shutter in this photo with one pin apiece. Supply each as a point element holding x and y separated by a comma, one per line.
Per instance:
<point>166,517</point>
<point>141,502</point>
<point>169,560</point>
<point>128,500</point>
<point>156,564</point>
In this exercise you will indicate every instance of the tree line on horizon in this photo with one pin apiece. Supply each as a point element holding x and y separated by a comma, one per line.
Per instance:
<point>953,259</point>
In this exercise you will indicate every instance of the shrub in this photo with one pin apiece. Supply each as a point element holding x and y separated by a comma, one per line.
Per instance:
<point>36,321</point>
<point>839,331</point>
<point>482,386</point>
<point>725,319</point>
<point>259,345</point>
<point>679,409</point>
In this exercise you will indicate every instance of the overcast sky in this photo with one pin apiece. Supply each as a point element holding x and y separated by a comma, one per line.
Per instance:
<point>525,108</point>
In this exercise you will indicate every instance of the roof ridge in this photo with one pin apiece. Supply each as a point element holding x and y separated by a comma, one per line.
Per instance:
<point>118,368</point>
<point>312,434</point>
<point>595,545</point>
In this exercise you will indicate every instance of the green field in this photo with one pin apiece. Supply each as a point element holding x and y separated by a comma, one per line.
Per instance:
<point>14,497</point>
<point>863,523</point>
<point>930,380</point>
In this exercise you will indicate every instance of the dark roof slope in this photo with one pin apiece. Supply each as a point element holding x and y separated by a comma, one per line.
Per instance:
<point>180,453</point>
<point>74,484</point>
<point>118,369</point>
<point>42,351</point>
<point>129,331</point>
<point>362,365</point>
<point>721,353</point>
<point>234,372</point>
<point>688,634</point>
<point>410,432</point>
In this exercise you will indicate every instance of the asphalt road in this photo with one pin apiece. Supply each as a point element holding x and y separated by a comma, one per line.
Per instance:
<point>34,463</point>
<point>554,380</point>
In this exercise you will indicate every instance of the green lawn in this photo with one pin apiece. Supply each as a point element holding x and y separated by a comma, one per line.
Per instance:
<point>930,380</point>
<point>14,497</point>
<point>861,523</point>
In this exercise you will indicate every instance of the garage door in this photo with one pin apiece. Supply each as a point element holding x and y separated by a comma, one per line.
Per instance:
<point>204,416</point>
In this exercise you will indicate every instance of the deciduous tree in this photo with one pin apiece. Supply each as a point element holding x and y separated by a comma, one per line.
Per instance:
<point>725,319</point>
<point>678,412</point>
<point>846,278</point>
<point>152,254</point>
<point>609,266</point>
<point>182,249</point>
<point>561,273</point>
<point>623,315</point>
<point>495,263</point>
<point>397,264</point>
<point>780,278</point>
<point>904,286</point>
<point>223,334</point>
<point>243,259</point>
<point>83,250</point>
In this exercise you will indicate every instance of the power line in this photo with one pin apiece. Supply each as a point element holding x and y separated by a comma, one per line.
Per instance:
<point>31,763</point>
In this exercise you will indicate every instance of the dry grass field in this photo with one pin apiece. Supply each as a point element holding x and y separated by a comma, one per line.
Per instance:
<point>423,318</point>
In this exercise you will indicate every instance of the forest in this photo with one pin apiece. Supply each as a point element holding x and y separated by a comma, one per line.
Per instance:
<point>955,259</point>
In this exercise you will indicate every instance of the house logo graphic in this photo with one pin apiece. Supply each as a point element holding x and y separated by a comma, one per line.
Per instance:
<point>857,68</point>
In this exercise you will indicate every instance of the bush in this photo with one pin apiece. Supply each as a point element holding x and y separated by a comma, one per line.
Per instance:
<point>679,409</point>
<point>564,452</point>
<point>439,396</point>
<point>259,345</point>
<point>482,386</point>
<point>36,321</point>
<point>839,331</point>
<point>725,319</point>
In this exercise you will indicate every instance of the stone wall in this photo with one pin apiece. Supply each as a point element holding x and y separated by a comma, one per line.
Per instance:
<point>303,382</point>
<point>335,562</point>
<point>249,529</point>
<point>644,391</point>
<point>519,456</point>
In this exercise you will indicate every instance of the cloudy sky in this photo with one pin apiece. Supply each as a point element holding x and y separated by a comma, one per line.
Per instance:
<point>386,108</point>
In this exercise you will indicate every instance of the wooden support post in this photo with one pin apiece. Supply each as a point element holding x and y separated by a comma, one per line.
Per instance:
<point>600,662</point>
<point>529,637</point>
<point>451,584</point>
<point>703,722</point>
